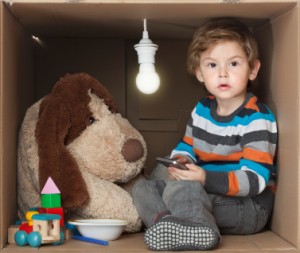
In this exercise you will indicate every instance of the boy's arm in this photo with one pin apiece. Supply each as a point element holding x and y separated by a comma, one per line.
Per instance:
<point>255,166</point>
<point>243,182</point>
<point>233,183</point>
<point>185,147</point>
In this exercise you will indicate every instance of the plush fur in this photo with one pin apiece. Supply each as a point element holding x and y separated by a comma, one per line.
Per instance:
<point>76,136</point>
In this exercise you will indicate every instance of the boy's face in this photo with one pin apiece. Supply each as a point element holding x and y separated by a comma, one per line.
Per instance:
<point>225,71</point>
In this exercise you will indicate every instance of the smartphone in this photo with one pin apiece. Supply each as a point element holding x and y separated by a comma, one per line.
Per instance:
<point>171,163</point>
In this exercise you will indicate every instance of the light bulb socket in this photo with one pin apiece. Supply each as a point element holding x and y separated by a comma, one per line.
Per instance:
<point>146,53</point>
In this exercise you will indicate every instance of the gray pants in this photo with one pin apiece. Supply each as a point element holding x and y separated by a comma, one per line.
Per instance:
<point>189,200</point>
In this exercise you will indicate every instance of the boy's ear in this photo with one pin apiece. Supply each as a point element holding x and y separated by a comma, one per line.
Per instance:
<point>254,71</point>
<point>199,76</point>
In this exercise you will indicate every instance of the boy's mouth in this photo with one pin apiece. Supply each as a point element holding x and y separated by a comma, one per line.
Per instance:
<point>223,86</point>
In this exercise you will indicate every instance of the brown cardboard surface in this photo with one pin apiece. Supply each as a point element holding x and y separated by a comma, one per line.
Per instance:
<point>263,242</point>
<point>108,58</point>
<point>88,18</point>
<point>276,24</point>
<point>16,94</point>
<point>2,228</point>
<point>286,26</point>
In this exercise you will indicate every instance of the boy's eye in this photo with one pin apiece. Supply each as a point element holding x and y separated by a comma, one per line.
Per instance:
<point>234,63</point>
<point>211,65</point>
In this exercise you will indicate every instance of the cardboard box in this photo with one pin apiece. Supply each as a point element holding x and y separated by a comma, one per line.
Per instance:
<point>97,37</point>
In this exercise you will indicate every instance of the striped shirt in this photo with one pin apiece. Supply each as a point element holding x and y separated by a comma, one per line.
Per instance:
<point>236,151</point>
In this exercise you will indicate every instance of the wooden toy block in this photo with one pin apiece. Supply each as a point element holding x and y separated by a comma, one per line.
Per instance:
<point>48,226</point>
<point>11,233</point>
<point>51,200</point>
<point>57,210</point>
<point>44,223</point>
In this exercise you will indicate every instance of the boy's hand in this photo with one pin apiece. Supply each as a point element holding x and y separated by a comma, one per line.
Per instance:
<point>194,173</point>
<point>182,160</point>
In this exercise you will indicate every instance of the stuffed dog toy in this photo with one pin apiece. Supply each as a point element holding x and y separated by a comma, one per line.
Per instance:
<point>75,136</point>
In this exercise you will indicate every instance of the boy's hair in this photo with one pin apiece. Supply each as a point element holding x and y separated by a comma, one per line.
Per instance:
<point>217,30</point>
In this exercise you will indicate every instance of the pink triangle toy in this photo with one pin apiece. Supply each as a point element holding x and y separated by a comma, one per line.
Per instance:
<point>50,187</point>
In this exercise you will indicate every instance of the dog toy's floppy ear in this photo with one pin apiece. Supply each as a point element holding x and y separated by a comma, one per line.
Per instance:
<point>54,158</point>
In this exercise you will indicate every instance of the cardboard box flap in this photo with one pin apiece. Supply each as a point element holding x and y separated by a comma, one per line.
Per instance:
<point>119,19</point>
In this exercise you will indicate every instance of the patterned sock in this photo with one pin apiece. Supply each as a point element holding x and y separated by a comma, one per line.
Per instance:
<point>172,233</point>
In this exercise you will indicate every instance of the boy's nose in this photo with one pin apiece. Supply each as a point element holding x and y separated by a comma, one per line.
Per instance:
<point>223,72</point>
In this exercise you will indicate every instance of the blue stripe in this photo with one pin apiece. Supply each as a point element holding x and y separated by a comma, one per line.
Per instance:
<point>182,146</point>
<point>221,167</point>
<point>205,113</point>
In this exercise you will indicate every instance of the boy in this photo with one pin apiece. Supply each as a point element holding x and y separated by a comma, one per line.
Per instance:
<point>228,147</point>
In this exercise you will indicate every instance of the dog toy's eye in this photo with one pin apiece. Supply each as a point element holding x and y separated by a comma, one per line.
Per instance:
<point>91,120</point>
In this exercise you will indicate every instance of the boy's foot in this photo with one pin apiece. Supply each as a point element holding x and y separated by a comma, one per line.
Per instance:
<point>172,233</point>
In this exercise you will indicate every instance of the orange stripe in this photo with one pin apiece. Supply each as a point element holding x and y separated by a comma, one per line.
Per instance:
<point>188,140</point>
<point>250,154</point>
<point>233,184</point>
<point>215,157</point>
<point>258,156</point>
<point>252,104</point>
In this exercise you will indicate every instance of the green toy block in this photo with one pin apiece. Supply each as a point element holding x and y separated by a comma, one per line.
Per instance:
<point>51,200</point>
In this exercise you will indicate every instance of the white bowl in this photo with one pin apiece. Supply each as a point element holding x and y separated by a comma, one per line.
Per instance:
<point>101,229</point>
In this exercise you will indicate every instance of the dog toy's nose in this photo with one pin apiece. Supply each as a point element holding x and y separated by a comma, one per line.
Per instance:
<point>132,150</point>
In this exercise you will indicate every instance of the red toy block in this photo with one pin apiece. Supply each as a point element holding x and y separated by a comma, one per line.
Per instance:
<point>56,210</point>
<point>26,227</point>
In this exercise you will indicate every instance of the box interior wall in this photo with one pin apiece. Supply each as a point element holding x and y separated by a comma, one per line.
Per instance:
<point>29,70</point>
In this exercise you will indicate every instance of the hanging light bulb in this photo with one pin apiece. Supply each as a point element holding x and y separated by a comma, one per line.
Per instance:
<point>147,79</point>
